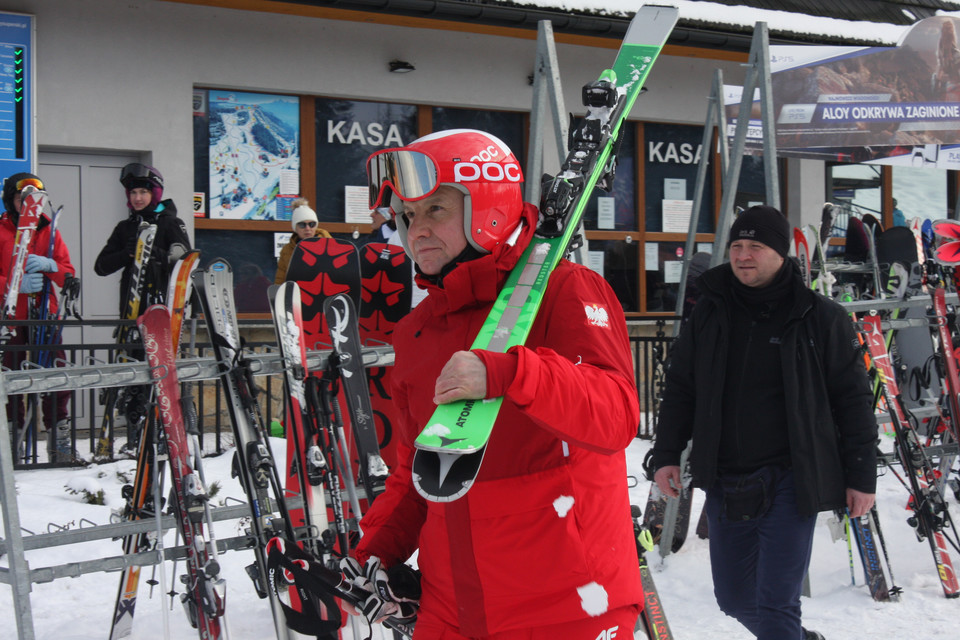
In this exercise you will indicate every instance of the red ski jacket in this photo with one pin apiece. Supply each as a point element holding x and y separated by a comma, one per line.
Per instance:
<point>40,245</point>
<point>544,535</point>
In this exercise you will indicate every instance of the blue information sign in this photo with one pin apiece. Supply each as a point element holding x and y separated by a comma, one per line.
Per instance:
<point>17,144</point>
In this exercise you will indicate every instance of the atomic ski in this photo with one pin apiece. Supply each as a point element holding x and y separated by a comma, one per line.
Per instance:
<point>112,398</point>
<point>253,460</point>
<point>450,448</point>
<point>342,322</point>
<point>206,591</point>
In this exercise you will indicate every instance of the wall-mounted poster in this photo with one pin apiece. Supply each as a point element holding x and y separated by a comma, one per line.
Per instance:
<point>254,154</point>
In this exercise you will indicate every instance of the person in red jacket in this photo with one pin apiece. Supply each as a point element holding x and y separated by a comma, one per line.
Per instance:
<point>41,265</point>
<point>542,545</point>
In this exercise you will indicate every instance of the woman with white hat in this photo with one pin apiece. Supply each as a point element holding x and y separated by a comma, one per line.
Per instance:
<point>304,222</point>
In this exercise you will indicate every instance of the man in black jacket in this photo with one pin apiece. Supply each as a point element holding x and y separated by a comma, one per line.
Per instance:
<point>768,381</point>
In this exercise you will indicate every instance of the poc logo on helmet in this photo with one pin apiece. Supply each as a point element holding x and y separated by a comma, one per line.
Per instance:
<point>489,171</point>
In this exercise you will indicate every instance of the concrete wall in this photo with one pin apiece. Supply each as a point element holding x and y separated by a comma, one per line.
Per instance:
<point>117,75</point>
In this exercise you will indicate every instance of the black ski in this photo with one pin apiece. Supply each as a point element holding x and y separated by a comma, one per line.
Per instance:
<point>253,460</point>
<point>341,318</point>
<point>865,532</point>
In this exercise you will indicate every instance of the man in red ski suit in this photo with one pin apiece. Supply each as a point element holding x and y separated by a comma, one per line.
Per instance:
<point>542,545</point>
<point>40,265</point>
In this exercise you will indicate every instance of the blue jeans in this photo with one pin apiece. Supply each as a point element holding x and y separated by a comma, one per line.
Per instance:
<point>759,564</point>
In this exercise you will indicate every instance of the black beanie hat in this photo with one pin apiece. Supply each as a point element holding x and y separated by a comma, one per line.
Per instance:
<point>763,224</point>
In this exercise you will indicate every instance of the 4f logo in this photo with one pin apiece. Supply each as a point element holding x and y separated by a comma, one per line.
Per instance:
<point>608,634</point>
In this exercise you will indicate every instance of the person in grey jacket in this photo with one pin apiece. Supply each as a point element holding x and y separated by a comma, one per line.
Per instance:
<point>767,379</point>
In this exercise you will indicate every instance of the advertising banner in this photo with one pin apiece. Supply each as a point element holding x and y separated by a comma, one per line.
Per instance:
<point>879,105</point>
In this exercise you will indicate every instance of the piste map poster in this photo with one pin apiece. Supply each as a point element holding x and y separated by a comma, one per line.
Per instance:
<point>254,142</point>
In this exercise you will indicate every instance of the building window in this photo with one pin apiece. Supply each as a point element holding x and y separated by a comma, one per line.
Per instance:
<point>671,159</point>
<point>347,132</point>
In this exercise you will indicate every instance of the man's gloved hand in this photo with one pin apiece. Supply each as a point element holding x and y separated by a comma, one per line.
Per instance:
<point>394,593</point>
<point>31,283</point>
<point>38,264</point>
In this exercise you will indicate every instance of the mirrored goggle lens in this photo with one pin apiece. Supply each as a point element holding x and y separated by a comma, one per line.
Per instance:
<point>29,182</point>
<point>411,175</point>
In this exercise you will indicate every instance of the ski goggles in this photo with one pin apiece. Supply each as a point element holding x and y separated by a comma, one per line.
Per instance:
<point>137,171</point>
<point>28,182</point>
<point>411,175</point>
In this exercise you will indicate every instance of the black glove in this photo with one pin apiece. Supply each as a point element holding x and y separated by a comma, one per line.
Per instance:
<point>130,249</point>
<point>395,592</point>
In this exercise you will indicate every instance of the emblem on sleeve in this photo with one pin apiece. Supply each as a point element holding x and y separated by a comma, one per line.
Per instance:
<point>596,315</point>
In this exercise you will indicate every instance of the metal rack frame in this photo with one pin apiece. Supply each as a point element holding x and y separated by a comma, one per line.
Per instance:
<point>19,575</point>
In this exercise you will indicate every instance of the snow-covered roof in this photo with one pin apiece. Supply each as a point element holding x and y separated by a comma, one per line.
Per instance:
<point>846,21</point>
<point>718,24</point>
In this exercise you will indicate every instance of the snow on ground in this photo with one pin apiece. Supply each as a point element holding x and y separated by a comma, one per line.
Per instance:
<point>80,608</point>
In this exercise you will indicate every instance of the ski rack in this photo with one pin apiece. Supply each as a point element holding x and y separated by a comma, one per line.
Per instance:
<point>862,306</point>
<point>91,376</point>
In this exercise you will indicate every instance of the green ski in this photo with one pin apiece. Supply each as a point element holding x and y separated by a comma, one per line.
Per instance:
<point>450,447</point>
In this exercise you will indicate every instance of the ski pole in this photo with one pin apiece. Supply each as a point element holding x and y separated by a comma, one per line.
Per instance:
<point>846,531</point>
<point>158,515</point>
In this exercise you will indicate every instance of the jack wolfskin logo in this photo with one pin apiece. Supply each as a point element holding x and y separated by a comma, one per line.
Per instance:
<point>596,315</point>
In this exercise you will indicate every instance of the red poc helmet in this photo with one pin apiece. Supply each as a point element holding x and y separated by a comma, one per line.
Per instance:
<point>477,164</point>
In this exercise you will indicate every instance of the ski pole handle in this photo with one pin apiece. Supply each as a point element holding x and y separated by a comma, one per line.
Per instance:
<point>646,539</point>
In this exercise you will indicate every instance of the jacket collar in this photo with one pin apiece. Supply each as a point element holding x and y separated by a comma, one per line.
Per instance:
<point>478,282</point>
<point>717,282</point>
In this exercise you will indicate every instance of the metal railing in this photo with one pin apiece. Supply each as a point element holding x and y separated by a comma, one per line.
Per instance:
<point>86,404</point>
<point>649,358</point>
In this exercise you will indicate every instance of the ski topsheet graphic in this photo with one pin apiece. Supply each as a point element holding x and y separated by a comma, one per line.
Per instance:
<point>452,443</point>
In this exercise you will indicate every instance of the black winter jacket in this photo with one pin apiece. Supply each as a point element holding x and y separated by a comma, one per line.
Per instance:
<point>831,425</point>
<point>115,254</point>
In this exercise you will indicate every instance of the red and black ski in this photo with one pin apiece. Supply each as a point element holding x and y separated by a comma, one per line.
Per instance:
<point>205,590</point>
<point>323,267</point>
<point>930,516</point>
<point>386,279</point>
<point>139,494</point>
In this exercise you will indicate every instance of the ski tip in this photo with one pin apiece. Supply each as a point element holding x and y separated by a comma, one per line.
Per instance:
<point>445,477</point>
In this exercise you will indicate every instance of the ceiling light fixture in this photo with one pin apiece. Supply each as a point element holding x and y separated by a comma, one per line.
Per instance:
<point>401,66</point>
